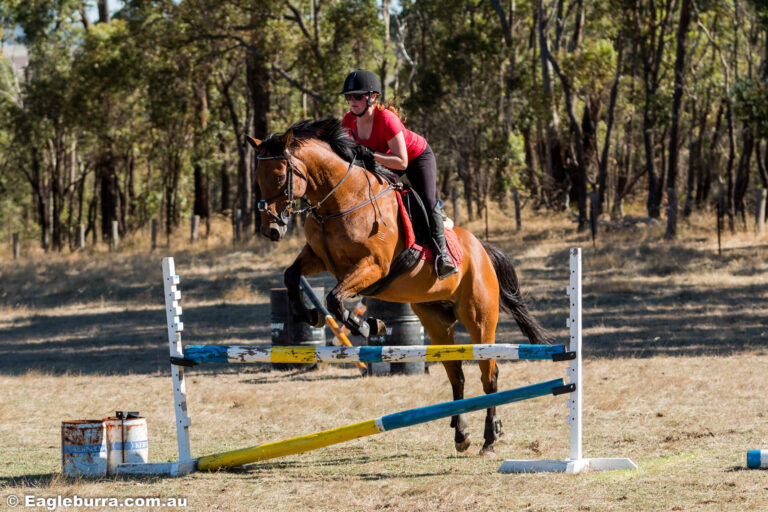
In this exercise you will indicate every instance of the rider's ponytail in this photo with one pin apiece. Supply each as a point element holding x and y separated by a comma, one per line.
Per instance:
<point>392,107</point>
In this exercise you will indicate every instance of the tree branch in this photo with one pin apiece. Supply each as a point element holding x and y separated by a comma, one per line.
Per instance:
<point>300,22</point>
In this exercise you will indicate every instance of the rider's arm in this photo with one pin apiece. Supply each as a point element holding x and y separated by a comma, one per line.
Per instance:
<point>397,158</point>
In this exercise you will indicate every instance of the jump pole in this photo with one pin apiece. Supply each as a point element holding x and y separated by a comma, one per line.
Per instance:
<point>386,423</point>
<point>757,459</point>
<point>576,463</point>
<point>199,354</point>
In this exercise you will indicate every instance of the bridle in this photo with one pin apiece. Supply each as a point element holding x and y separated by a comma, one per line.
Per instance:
<point>263,205</point>
<point>283,217</point>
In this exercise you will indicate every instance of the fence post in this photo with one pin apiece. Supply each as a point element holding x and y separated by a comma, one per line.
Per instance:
<point>760,212</point>
<point>81,237</point>
<point>115,235</point>
<point>516,198</point>
<point>16,248</point>
<point>154,234</point>
<point>238,223</point>
<point>195,225</point>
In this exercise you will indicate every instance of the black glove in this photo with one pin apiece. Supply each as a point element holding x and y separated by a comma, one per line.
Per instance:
<point>364,153</point>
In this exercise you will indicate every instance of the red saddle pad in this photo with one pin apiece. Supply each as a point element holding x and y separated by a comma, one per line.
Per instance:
<point>451,240</point>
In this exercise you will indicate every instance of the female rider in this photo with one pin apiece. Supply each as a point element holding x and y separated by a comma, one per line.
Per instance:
<point>380,130</point>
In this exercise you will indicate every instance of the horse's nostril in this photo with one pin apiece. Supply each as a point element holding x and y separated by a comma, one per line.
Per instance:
<point>274,234</point>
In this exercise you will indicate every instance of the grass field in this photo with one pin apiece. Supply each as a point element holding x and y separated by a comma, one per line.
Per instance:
<point>676,348</point>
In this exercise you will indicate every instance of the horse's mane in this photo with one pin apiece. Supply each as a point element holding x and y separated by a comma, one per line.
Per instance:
<point>331,132</point>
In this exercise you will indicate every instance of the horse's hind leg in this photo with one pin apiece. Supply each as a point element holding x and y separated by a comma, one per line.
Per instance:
<point>479,313</point>
<point>489,374</point>
<point>438,320</point>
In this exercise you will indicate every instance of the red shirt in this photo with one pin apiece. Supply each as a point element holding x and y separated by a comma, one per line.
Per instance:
<point>386,125</point>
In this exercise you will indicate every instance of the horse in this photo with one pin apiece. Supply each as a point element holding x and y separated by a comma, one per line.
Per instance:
<point>352,231</point>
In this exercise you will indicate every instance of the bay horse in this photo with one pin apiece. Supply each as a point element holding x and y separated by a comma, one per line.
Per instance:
<point>353,232</point>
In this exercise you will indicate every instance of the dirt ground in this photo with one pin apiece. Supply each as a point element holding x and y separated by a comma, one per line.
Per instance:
<point>676,346</point>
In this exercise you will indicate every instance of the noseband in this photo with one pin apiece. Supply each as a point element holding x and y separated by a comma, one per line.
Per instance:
<point>285,214</point>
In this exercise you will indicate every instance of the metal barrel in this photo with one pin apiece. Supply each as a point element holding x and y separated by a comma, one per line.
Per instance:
<point>403,328</point>
<point>286,332</point>
<point>83,448</point>
<point>126,441</point>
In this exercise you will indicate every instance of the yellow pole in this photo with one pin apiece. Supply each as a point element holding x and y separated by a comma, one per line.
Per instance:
<point>287,447</point>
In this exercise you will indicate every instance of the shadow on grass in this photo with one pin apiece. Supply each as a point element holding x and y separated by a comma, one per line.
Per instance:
<point>34,480</point>
<point>634,321</point>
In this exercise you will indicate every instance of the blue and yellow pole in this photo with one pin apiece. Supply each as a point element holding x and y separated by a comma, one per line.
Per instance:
<point>384,423</point>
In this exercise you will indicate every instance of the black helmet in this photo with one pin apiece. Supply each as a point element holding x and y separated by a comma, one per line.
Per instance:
<point>361,81</point>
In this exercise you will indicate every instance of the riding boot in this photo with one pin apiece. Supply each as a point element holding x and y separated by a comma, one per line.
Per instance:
<point>444,266</point>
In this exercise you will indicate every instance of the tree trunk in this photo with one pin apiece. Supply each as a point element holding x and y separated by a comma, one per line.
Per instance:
<point>257,75</point>
<point>677,104</point>
<point>602,175</point>
<point>742,175</point>
<point>110,203</point>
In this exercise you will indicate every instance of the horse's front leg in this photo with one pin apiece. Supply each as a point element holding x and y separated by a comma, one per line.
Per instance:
<point>362,275</point>
<point>306,263</point>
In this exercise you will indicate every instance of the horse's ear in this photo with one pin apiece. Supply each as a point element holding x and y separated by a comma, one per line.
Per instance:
<point>286,138</point>
<point>255,143</point>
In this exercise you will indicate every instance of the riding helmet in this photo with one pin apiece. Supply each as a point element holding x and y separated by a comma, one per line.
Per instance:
<point>361,81</point>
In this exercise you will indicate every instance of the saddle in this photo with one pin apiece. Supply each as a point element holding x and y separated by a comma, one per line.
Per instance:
<point>414,219</point>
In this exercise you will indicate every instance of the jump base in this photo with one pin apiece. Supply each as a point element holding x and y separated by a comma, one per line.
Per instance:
<point>565,466</point>
<point>158,468</point>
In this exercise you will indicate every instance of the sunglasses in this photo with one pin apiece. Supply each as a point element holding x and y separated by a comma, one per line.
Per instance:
<point>356,97</point>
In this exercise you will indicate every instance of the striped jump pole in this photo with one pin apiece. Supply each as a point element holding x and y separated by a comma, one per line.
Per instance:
<point>402,419</point>
<point>757,459</point>
<point>198,354</point>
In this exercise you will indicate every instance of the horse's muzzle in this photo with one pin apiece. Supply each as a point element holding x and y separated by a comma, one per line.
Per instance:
<point>273,231</point>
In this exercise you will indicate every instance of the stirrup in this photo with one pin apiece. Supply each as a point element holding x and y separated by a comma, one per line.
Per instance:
<point>448,268</point>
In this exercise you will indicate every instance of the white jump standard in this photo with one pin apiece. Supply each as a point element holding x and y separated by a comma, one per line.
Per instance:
<point>576,463</point>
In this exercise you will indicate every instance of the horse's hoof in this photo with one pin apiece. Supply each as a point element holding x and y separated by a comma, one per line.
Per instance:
<point>464,445</point>
<point>487,451</point>
<point>377,327</point>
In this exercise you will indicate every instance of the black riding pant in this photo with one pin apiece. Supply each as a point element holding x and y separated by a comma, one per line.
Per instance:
<point>422,173</point>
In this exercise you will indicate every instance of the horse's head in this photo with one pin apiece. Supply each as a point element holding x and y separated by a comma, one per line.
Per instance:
<point>281,182</point>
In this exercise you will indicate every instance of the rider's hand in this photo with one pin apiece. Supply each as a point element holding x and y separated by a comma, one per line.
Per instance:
<point>364,153</point>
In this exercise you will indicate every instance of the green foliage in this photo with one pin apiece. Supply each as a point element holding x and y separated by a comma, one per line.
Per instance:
<point>592,67</point>
<point>168,87</point>
<point>750,104</point>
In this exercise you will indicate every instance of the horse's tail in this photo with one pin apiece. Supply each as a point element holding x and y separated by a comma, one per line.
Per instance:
<point>510,300</point>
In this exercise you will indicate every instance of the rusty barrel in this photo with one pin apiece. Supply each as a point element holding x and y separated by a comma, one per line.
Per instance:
<point>286,332</point>
<point>83,448</point>
<point>403,328</point>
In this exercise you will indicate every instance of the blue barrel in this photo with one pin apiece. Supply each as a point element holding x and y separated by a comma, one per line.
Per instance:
<point>403,328</point>
<point>286,332</point>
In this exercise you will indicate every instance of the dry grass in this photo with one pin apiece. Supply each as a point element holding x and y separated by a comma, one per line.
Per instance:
<point>675,343</point>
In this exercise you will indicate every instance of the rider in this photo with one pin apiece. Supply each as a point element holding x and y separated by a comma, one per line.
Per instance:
<point>380,132</point>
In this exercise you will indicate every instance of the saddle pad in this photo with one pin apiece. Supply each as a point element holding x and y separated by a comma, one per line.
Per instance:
<point>427,254</point>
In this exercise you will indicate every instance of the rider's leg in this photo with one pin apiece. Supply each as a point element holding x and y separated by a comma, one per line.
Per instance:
<point>422,173</point>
